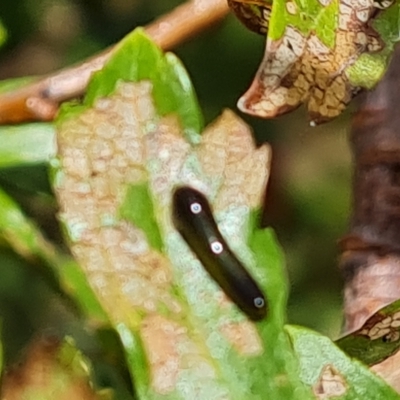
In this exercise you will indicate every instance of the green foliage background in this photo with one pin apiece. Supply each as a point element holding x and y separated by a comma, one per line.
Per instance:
<point>308,199</point>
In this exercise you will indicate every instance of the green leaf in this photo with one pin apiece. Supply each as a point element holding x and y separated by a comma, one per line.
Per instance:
<point>331,373</point>
<point>377,339</point>
<point>1,352</point>
<point>278,359</point>
<point>172,90</point>
<point>24,237</point>
<point>15,83</point>
<point>3,34</point>
<point>306,17</point>
<point>26,144</point>
<point>370,67</point>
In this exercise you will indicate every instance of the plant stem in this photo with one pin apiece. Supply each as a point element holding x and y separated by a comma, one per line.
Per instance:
<point>39,100</point>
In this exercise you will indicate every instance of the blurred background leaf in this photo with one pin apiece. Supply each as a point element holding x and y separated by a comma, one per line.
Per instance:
<point>3,34</point>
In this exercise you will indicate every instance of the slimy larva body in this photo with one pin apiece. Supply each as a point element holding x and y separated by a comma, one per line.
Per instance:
<point>193,218</point>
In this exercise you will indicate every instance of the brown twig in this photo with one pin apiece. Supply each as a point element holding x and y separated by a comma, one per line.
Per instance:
<point>40,99</point>
<point>371,251</point>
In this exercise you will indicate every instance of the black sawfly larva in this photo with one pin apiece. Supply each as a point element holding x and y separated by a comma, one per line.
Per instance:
<point>193,218</point>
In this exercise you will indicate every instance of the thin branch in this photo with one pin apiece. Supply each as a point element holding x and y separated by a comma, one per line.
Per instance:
<point>371,251</point>
<point>40,100</point>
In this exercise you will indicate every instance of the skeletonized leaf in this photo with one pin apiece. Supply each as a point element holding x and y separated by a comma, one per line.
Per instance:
<point>321,53</point>
<point>333,374</point>
<point>377,339</point>
<point>183,338</point>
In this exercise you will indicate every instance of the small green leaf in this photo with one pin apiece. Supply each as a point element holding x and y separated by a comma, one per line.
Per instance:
<point>26,144</point>
<point>377,339</point>
<point>370,67</point>
<point>331,373</point>
<point>3,34</point>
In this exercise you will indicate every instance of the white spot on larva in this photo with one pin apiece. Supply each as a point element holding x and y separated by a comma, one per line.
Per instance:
<point>196,208</point>
<point>259,302</point>
<point>325,3</point>
<point>217,247</point>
